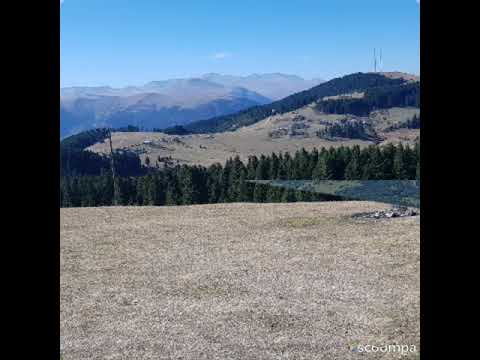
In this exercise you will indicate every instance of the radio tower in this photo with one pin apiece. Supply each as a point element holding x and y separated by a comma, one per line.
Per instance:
<point>380,63</point>
<point>377,62</point>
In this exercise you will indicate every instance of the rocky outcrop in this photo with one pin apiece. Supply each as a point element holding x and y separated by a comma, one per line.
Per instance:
<point>389,214</point>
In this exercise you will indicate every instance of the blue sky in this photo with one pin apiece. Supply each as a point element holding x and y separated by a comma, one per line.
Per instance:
<point>126,42</point>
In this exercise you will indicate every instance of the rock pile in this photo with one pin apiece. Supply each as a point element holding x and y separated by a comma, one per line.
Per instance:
<point>388,214</point>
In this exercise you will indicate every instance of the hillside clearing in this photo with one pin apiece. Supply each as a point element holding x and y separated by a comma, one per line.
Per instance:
<point>259,138</point>
<point>237,281</point>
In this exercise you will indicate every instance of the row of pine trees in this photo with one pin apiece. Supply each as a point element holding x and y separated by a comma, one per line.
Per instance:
<point>185,185</point>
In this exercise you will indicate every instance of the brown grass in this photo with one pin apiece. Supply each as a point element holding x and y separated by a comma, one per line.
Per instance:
<point>251,140</point>
<point>236,281</point>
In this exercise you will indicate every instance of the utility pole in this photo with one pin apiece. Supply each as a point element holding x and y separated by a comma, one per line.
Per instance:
<point>67,179</point>
<point>116,190</point>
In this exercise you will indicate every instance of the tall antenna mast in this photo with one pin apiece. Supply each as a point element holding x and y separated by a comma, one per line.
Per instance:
<point>380,65</point>
<point>116,190</point>
<point>374,60</point>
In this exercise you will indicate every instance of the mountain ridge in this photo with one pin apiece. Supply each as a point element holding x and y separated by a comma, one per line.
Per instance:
<point>357,82</point>
<point>76,91</point>
<point>166,103</point>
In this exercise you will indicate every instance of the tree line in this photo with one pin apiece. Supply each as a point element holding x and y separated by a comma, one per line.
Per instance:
<point>185,185</point>
<point>351,129</point>
<point>413,123</point>
<point>384,97</point>
<point>84,139</point>
<point>80,163</point>
<point>76,161</point>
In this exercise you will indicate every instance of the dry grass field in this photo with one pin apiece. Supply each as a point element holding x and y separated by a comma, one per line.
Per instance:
<point>237,281</point>
<point>206,149</point>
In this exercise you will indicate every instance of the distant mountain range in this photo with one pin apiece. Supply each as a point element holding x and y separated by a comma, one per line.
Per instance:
<point>353,83</point>
<point>356,109</point>
<point>275,86</point>
<point>162,104</point>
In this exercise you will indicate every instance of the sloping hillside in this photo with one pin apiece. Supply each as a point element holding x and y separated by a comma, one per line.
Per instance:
<point>237,281</point>
<point>377,110</point>
<point>278,133</point>
<point>401,75</point>
<point>348,84</point>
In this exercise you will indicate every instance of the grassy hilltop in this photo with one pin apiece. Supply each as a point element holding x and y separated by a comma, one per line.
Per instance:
<point>236,281</point>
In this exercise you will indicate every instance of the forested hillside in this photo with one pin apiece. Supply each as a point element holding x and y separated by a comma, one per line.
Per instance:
<point>404,95</point>
<point>75,161</point>
<point>183,185</point>
<point>84,139</point>
<point>359,82</point>
<point>413,123</point>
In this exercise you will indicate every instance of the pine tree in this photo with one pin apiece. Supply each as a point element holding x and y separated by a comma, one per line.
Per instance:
<point>128,190</point>
<point>399,166</point>
<point>235,179</point>
<point>388,154</point>
<point>259,193</point>
<point>245,194</point>
<point>296,169</point>
<point>150,190</point>
<point>417,159</point>
<point>303,164</point>
<point>313,160</point>
<point>252,167</point>
<point>225,182</point>
<point>173,194</point>
<point>106,188</point>
<point>325,168</point>
<point>189,187</point>
<point>282,173</point>
<point>374,168</point>
<point>288,164</point>
<point>87,190</point>
<point>341,158</point>
<point>270,195</point>
<point>140,190</point>
<point>410,160</point>
<point>352,171</point>
<point>289,196</point>
<point>213,183</point>
<point>67,200</point>
<point>261,172</point>
<point>274,166</point>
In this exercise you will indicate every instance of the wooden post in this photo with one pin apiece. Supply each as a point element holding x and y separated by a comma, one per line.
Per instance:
<point>116,190</point>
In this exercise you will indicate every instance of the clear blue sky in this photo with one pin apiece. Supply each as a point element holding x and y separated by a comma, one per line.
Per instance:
<point>131,42</point>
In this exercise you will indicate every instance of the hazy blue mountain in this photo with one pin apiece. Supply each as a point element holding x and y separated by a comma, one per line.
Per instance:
<point>274,86</point>
<point>162,104</point>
